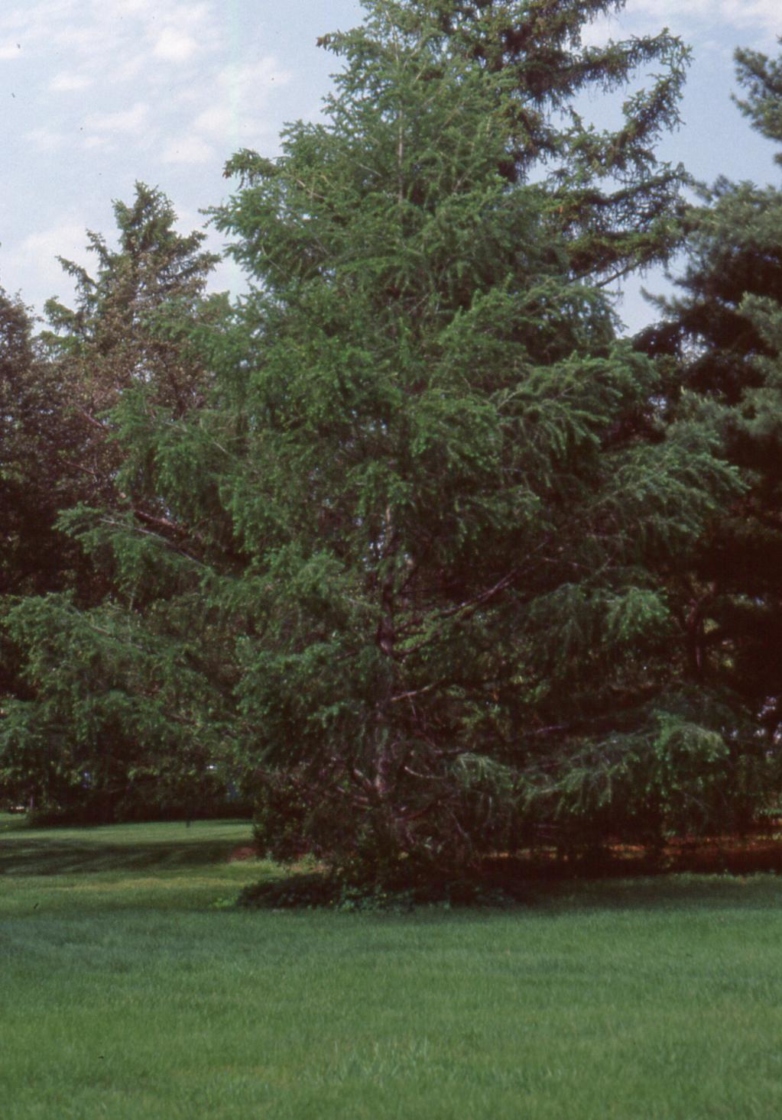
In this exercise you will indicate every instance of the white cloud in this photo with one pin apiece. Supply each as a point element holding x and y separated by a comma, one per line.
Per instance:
<point>692,18</point>
<point>175,46</point>
<point>128,69</point>
<point>240,92</point>
<point>46,139</point>
<point>67,239</point>
<point>759,15</point>
<point>179,32</point>
<point>95,143</point>
<point>108,33</point>
<point>600,30</point>
<point>125,120</point>
<point>69,82</point>
<point>230,116</point>
<point>164,81</point>
<point>215,121</point>
<point>189,149</point>
<point>120,9</point>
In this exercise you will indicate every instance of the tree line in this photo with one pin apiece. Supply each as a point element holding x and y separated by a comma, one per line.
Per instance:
<point>408,547</point>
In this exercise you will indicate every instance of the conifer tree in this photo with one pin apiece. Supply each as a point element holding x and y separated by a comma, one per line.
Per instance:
<point>451,479</point>
<point>724,330</point>
<point>29,438</point>
<point>430,504</point>
<point>98,705</point>
<point>124,337</point>
<point>40,448</point>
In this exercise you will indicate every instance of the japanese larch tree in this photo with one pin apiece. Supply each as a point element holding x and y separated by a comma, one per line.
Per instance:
<point>457,496</point>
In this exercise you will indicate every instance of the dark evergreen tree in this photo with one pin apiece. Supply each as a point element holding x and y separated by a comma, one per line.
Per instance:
<point>724,333</point>
<point>610,196</point>
<point>90,721</point>
<point>124,339</point>
<point>38,446</point>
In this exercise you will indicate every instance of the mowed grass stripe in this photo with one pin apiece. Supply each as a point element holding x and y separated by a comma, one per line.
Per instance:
<point>656,998</point>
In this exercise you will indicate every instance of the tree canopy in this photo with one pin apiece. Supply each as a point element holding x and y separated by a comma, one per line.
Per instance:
<point>724,332</point>
<point>400,542</point>
<point>89,719</point>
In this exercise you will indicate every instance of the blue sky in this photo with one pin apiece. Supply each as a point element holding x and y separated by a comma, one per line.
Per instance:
<point>95,94</point>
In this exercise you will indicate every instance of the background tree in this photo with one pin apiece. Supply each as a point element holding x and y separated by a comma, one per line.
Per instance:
<point>124,340</point>
<point>101,711</point>
<point>38,443</point>
<point>39,447</point>
<point>723,332</point>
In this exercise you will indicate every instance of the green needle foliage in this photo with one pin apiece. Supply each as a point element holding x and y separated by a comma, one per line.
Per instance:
<point>410,562</point>
<point>724,334</point>
<point>102,712</point>
<point>451,479</point>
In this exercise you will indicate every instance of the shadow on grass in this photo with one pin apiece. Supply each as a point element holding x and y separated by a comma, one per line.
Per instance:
<point>653,893</point>
<point>21,856</point>
<point>705,875</point>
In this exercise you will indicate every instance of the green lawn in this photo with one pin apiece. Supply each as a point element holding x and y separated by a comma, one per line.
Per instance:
<point>129,990</point>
